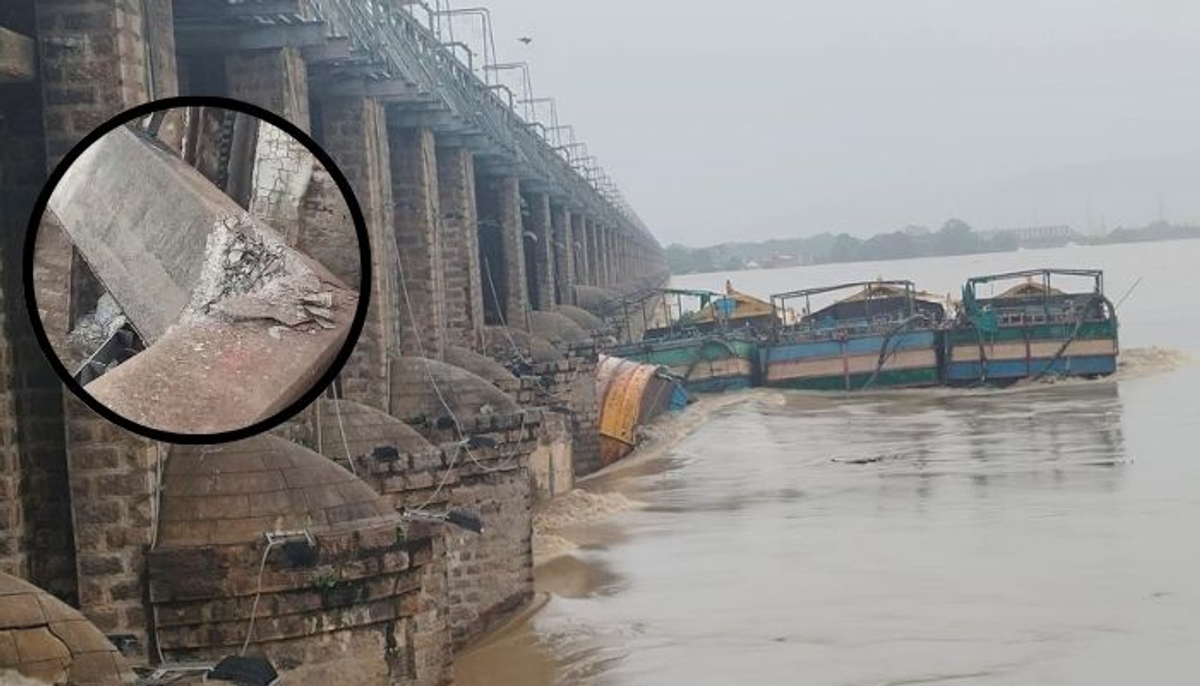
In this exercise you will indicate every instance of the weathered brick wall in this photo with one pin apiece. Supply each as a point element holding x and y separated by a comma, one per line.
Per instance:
<point>52,271</point>
<point>623,265</point>
<point>384,452</point>
<point>542,259</point>
<point>326,231</point>
<point>502,251</point>
<point>490,574</point>
<point>603,255</point>
<point>583,270</point>
<point>159,28</point>
<point>354,133</point>
<point>551,466</point>
<point>592,229</point>
<point>569,387</point>
<point>346,611</point>
<point>428,630</point>
<point>13,557</point>
<point>274,79</point>
<point>614,255</point>
<point>460,247</point>
<point>36,507</point>
<point>113,477</point>
<point>358,613</point>
<point>94,63</point>
<point>618,257</point>
<point>283,170</point>
<point>564,255</point>
<point>418,237</point>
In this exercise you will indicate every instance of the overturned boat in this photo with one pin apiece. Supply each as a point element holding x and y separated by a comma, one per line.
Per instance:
<point>1032,329</point>
<point>884,335</point>
<point>630,395</point>
<point>708,339</point>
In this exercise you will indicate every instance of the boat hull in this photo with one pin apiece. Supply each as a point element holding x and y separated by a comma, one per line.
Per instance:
<point>707,365</point>
<point>1020,352</point>
<point>912,361</point>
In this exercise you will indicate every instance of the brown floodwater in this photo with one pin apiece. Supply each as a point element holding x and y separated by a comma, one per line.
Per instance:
<point>1041,535</point>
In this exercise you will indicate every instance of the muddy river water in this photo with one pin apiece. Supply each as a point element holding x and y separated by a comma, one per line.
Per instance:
<point>1043,535</point>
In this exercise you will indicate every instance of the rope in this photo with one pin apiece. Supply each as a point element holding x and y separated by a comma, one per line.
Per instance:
<point>337,407</point>
<point>1127,294</point>
<point>570,383</point>
<point>884,354</point>
<point>487,266</point>
<point>983,360</point>
<point>262,565</point>
<point>156,503</point>
<point>320,445</point>
<point>696,357</point>
<point>1075,332</point>
<point>412,318</point>
<point>445,477</point>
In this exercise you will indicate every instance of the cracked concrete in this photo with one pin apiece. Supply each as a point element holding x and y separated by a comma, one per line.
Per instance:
<point>238,324</point>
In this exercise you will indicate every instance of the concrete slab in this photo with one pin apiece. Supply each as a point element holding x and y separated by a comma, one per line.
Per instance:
<point>238,324</point>
<point>18,57</point>
<point>211,376</point>
<point>143,219</point>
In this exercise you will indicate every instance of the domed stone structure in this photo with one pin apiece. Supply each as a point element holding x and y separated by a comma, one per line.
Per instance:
<point>499,343</point>
<point>369,431</point>
<point>586,320</point>
<point>414,398</point>
<point>234,492</point>
<point>47,641</point>
<point>594,299</point>
<point>483,366</point>
<point>557,328</point>
<point>266,543</point>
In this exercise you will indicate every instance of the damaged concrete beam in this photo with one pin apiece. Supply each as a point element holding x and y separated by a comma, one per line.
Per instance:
<point>238,325</point>
<point>18,57</point>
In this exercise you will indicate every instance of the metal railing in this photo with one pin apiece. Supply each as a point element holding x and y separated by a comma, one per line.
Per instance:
<point>414,52</point>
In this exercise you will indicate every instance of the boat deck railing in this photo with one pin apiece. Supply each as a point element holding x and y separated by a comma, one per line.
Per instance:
<point>812,331</point>
<point>1032,315</point>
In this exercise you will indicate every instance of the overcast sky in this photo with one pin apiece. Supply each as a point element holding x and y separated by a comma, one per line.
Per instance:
<point>783,118</point>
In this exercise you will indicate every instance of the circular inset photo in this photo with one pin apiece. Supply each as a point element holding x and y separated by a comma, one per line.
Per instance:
<point>197,270</point>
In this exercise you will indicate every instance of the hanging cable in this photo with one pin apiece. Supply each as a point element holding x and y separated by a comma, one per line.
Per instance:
<point>337,408</point>
<point>487,267</point>
<point>1062,349</point>
<point>412,317</point>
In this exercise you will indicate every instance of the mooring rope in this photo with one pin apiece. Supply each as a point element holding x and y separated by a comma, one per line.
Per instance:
<point>884,354</point>
<point>1074,333</point>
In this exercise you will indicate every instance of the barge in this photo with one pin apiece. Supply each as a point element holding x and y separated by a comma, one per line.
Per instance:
<point>713,347</point>
<point>1031,330</point>
<point>886,334</point>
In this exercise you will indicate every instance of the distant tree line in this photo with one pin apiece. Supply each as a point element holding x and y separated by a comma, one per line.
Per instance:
<point>955,237</point>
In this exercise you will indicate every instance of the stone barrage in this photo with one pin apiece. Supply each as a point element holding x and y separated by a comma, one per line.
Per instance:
<point>443,180</point>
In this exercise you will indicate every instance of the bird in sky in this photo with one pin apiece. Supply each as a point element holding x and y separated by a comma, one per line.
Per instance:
<point>525,39</point>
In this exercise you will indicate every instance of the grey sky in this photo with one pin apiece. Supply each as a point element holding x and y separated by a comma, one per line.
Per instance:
<point>788,117</point>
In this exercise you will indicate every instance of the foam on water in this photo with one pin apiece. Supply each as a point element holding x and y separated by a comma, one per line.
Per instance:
<point>580,507</point>
<point>1140,362</point>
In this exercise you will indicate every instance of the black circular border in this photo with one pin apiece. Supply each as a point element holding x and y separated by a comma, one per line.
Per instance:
<point>364,252</point>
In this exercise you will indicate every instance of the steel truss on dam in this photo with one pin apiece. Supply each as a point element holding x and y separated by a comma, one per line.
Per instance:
<point>373,48</point>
